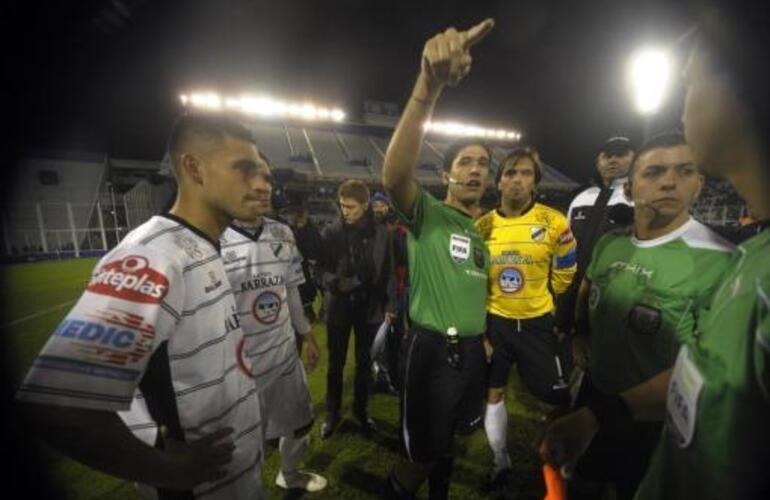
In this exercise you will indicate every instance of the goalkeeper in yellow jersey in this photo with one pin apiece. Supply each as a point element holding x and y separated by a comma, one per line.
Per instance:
<point>532,257</point>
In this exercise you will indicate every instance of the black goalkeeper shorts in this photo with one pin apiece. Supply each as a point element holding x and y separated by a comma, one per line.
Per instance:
<point>533,346</point>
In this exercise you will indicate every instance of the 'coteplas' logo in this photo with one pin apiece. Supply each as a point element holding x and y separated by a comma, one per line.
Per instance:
<point>130,278</point>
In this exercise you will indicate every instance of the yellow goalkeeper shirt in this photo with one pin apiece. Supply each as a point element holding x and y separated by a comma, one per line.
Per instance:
<point>526,253</point>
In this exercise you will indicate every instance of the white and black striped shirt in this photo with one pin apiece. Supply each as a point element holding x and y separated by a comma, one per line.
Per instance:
<point>158,321</point>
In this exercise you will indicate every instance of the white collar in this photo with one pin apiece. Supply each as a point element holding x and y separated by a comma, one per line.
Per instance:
<point>662,240</point>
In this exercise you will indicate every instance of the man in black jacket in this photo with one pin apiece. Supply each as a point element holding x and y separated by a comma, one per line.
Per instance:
<point>356,267</point>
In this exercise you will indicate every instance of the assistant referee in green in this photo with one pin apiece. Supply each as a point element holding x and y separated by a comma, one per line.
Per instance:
<point>444,356</point>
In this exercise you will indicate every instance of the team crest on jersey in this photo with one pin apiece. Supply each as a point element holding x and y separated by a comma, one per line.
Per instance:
<point>459,248</point>
<point>189,245</point>
<point>538,233</point>
<point>130,278</point>
<point>511,280</point>
<point>276,248</point>
<point>594,296</point>
<point>266,307</point>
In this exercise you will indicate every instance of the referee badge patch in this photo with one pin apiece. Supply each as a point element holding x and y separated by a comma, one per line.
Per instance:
<point>459,248</point>
<point>478,257</point>
<point>644,319</point>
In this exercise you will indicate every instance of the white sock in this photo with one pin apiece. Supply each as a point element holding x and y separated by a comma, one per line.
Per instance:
<point>292,450</point>
<point>496,427</point>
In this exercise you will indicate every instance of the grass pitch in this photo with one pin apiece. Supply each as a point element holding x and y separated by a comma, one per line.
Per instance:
<point>37,296</point>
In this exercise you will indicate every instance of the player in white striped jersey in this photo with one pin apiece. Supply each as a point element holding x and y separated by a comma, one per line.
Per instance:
<point>158,321</point>
<point>265,270</point>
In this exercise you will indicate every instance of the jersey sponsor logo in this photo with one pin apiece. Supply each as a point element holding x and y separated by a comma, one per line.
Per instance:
<point>459,248</point>
<point>566,237</point>
<point>537,233</point>
<point>262,280</point>
<point>512,257</point>
<point>215,282</point>
<point>632,268</point>
<point>579,214</point>
<point>124,339</point>
<point>594,296</point>
<point>511,280</point>
<point>130,278</point>
<point>266,307</point>
<point>232,322</point>
<point>476,274</point>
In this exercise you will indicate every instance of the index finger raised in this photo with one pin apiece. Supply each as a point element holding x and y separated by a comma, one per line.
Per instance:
<point>477,33</point>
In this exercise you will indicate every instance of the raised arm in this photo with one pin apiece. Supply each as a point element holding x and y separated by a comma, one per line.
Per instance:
<point>446,60</point>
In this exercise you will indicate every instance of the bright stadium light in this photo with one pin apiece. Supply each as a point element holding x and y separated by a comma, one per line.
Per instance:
<point>457,129</point>
<point>263,106</point>
<point>650,75</point>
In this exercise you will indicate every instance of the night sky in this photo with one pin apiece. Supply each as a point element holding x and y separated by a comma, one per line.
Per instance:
<point>104,75</point>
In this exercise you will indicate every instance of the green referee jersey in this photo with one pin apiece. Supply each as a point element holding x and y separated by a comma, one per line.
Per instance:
<point>716,442</point>
<point>448,264</point>
<point>644,299</point>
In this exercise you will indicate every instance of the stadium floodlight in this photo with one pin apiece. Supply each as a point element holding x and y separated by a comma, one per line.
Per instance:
<point>650,75</point>
<point>263,106</point>
<point>457,129</point>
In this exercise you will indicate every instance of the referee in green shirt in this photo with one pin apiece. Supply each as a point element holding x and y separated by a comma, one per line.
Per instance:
<point>716,400</point>
<point>444,354</point>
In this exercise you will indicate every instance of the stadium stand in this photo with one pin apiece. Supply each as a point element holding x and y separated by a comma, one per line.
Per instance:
<point>54,194</point>
<point>719,204</point>
<point>110,196</point>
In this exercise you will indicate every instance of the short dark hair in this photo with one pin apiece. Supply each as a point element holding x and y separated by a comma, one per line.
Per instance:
<point>454,149</point>
<point>355,189</point>
<point>669,139</point>
<point>204,126</point>
<point>516,156</point>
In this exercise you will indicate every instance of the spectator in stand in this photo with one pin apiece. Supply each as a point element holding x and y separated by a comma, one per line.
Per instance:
<point>380,204</point>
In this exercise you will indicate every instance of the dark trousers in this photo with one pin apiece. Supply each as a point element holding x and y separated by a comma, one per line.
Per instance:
<point>338,328</point>
<point>620,459</point>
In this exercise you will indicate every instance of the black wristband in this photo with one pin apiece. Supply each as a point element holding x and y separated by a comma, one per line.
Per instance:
<point>611,412</point>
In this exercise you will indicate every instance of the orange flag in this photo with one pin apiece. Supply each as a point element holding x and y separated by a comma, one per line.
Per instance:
<point>555,488</point>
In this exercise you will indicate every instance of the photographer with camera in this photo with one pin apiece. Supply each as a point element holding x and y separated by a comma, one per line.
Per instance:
<point>356,266</point>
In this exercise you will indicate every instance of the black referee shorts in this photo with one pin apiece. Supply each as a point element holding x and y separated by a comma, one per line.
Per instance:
<point>437,400</point>
<point>532,345</point>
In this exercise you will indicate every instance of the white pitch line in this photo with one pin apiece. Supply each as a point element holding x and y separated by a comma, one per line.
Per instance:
<point>38,314</point>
